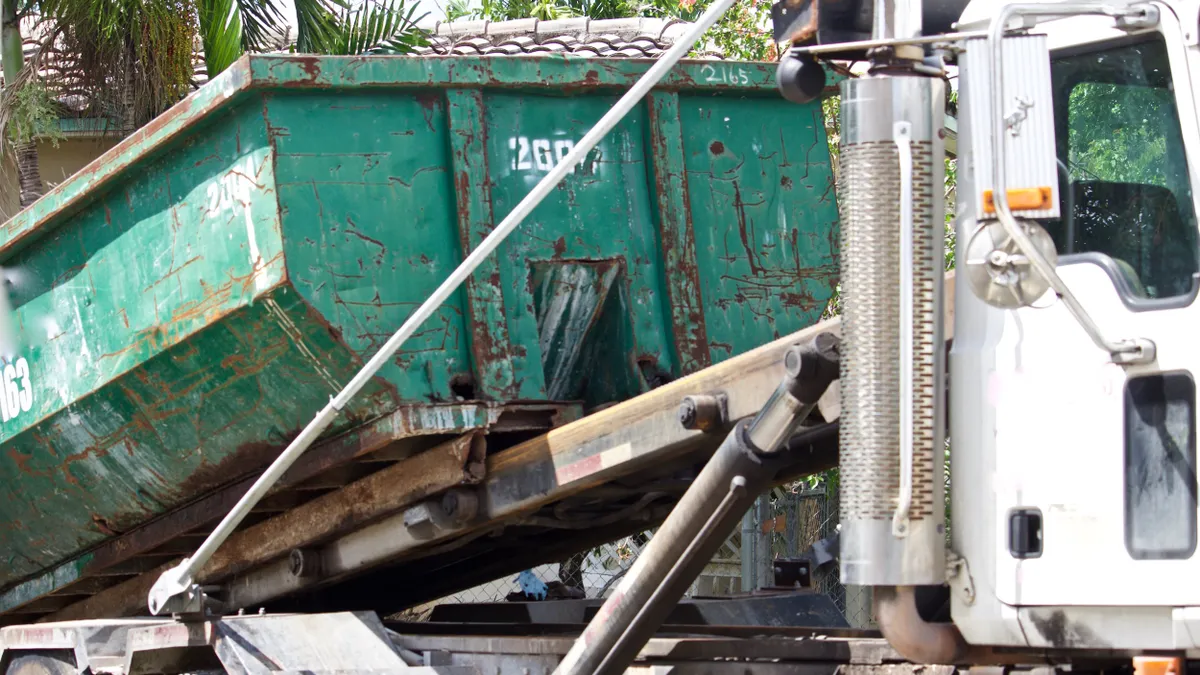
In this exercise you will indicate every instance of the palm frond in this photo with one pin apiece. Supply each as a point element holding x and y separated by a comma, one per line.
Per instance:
<point>259,19</point>
<point>384,27</point>
<point>461,9</point>
<point>317,24</point>
<point>131,58</point>
<point>221,34</point>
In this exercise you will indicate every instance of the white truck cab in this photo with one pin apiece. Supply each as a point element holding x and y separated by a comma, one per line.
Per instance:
<point>1074,513</point>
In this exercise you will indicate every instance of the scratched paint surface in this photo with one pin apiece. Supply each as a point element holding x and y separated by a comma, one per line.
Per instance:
<point>601,211</point>
<point>164,355</point>
<point>761,193</point>
<point>368,215</point>
<point>190,301</point>
<point>761,205</point>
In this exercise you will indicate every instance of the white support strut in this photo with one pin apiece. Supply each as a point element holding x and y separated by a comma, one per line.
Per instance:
<point>179,579</point>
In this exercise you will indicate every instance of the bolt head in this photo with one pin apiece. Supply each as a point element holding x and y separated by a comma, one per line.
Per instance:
<point>687,414</point>
<point>793,361</point>
<point>450,503</point>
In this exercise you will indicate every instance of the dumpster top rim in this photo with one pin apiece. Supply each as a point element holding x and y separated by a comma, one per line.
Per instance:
<point>282,72</point>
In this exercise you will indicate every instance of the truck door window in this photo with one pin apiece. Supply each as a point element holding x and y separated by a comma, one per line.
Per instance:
<point>1127,196</point>
<point>1160,466</point>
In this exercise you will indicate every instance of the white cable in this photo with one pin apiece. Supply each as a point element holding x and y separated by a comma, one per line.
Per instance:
<point>180,578</point>
<point>902,135</point>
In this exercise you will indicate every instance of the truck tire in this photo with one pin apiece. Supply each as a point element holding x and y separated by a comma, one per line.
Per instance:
<point>39,664</point>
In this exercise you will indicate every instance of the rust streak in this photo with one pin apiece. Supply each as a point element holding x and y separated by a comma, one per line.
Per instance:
<point>173,271</point>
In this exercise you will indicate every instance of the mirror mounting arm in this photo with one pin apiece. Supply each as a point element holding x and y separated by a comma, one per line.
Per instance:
<point>1123,351</point>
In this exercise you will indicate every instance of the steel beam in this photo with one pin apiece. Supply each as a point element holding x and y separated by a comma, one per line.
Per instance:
<point>451,464</point>
<point>638,434</point>
<point>620,441</point>
<point>407,424</point>
<point>456,462</point>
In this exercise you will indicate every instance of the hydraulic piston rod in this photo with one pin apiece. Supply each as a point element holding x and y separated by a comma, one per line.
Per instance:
<point>741,469</point>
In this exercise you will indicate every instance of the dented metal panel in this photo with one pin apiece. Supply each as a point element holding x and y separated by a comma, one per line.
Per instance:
<point>190,299</point>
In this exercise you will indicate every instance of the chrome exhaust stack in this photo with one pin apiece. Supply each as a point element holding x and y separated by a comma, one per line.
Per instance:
<point>890,194</point>
<point>893,231</point>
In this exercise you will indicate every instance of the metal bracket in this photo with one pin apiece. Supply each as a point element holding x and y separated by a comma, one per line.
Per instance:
<point>1148,18</point>
<point>958,577</point>
<point>946,38</point>
<point>1141,350</point>
<point>193,604</point>
<point>704,412</point>
<point>174,584</point>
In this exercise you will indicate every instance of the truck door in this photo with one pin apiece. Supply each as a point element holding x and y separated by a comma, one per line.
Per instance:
<point>1101,458</point>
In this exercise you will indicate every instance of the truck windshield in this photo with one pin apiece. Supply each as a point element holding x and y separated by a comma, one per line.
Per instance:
<point>1127,193</point>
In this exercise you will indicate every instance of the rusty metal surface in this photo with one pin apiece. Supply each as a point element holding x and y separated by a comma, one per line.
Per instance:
<point>677,232</point>
<point>491,348</point>
<point>404,425</point>
<point>456,462</point>
<point>620,441</point>
<point>581,459</point>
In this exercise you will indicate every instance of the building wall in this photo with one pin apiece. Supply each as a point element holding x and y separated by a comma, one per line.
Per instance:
<point>56,163</point>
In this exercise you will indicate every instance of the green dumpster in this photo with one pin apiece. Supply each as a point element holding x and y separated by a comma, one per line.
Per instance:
<point>189,300</point>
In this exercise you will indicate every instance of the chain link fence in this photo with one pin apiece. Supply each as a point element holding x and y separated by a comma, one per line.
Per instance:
<point>799,517</point>
<point>783,524</point>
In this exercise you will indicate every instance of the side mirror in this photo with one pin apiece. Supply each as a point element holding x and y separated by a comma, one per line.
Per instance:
<point>999,273</point>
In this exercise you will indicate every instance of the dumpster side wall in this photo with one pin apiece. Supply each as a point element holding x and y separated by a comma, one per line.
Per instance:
<point>761,195</point>
<point>368,210</point>
<point>162,353</point>
<point>701,226</point>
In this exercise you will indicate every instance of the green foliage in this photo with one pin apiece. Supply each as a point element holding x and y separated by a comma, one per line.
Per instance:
<point>385,27</point>
<point>1119,132</point>
<point>230,28</point>
<point>831,110</point>
<point>742,33</point>
<point>507,10</point>
<point>457,10</point>
<point>134,57</point>
<point>950,193</point>
<point>951,187</point>
<point>545,10</point>
<point>33,114</point>
<point>221,33</point>
<point>147,44</point>
<point>257,17</point>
